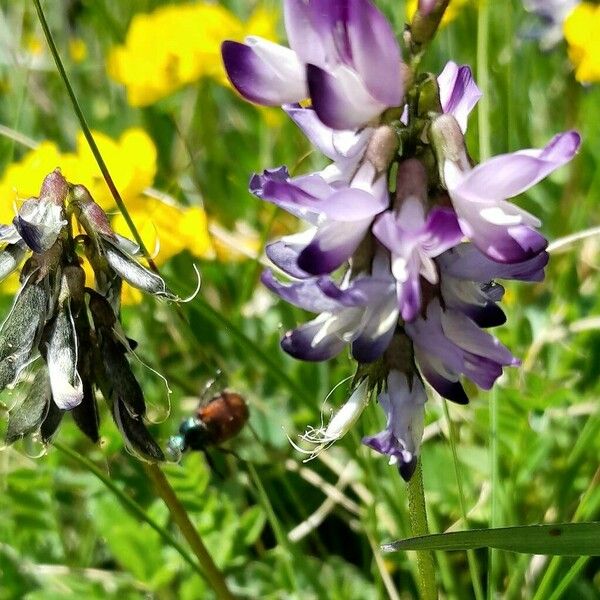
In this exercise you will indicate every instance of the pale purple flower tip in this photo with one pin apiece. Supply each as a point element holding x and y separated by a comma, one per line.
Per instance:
<point>414,241</point>
<point>404,406</point>
<point>458,92</point>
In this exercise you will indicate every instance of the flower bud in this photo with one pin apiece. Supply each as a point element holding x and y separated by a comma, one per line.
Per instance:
<point>448,144</point>
<point>382,148</point>
<point>411,182</point>
<point>91,216</point>
<point>54,188</point>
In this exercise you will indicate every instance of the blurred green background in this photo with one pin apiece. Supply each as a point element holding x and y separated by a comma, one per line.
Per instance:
<point>63,534</point>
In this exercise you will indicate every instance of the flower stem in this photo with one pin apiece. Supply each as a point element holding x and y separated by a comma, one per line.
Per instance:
<point>128,503</point>
<point>418,524</point>
<point>483,107</point>
<point>471,556</point>
<point>89,137</point>
<point>182,520</point>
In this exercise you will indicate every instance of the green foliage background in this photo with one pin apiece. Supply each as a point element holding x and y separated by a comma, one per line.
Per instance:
<point>63,534</point>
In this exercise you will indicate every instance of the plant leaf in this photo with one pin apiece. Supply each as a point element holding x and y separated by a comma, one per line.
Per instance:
<point>564,539</point>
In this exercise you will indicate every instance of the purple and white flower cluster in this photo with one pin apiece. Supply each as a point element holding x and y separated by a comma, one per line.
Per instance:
<point>400,269</point>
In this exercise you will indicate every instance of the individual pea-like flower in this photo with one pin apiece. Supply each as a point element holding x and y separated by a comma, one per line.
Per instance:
<point>74,329</point>
<point>413,239</point>
<point>500,229</point>
<point>404,404</point>
<point>343,55</point>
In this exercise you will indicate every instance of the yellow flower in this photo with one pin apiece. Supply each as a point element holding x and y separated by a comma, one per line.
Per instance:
<point>167,228</point>
<point>177,45</point>
<point>451,13</point>
<point>131,161</point>
<point>77,50</point>
<point>581,32</point>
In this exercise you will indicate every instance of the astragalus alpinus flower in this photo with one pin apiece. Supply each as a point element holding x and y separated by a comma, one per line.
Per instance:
<point>401,269</point>
<point>66,334</point>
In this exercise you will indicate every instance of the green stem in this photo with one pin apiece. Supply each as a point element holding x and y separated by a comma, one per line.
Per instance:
<point>128,503</point>
<point>418,524</point>
<point>182,520</point>
<point>483,108</point>
<point>89,137</point>
<point>495,520</point>
<point>471,556</point>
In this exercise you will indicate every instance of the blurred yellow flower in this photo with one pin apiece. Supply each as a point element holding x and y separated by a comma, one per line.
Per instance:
<point>451,13</point>
<point>176,45</point>
<point>581,32</point>
<point>77,50</point>
<point>167,229</point>
<point>131,161</point>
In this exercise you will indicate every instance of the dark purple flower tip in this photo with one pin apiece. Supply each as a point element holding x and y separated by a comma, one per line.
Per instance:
<point>515,245</point>
<point>367,350</point>
<point>340,100</point>
<point>300,343</point>
<point>407,469</point>
<point>316,261</point>
<point>271,76</point>
<point>489,315</point>
<point>259,180</point>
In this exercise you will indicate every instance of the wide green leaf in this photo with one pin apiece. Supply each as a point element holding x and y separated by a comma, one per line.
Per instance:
<point>565,539</point>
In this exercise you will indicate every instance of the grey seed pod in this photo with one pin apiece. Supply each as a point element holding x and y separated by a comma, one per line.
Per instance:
<point>67,387</point>
<point>10,258</point>
<point>86,415</point>
<point>135,274</point>
<point>21,331</point>
<point>51,423</point>
<point>29,415</point>
<point>138,440</point>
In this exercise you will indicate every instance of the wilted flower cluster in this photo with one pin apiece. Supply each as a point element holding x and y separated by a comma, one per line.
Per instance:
<point>405,235</point>
<point>65,333</point>
<point>132,160</point>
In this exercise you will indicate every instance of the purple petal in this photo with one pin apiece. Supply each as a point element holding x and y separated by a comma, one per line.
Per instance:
<point>341,100</point>
<point>467,262</point>
<point>444,383</point>
<point>264,72</point>
<point>409,298</point>
<point>304,35</point>
<point>304,294</point>
<point>284,253</point>
<point>443,231</point>
<point>379,324</point>
<point>360,292</point>
<point>458,92</point>
<point>307,342</point>
<point>338,145</point>
<point>375,52</point>
<point>508,175</point>
<point>332,246</point>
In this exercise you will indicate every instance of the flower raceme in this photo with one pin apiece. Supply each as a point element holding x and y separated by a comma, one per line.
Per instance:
<point>400,269</point>
<point>73,328</point>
